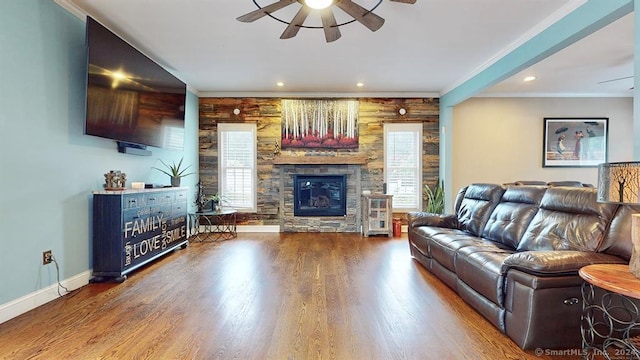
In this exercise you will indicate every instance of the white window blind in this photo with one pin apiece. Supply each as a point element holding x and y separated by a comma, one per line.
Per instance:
<point>237,166</point>
<point>172,134</point>
<point>403,165</point>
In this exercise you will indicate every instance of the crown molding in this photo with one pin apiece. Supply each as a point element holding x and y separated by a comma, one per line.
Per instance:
<point>552,95</point>
<point>270,94</point>
<point>74,9</point>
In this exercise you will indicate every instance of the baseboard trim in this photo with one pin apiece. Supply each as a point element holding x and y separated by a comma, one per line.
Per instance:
<point>258,228</point>
<point>40,297</point>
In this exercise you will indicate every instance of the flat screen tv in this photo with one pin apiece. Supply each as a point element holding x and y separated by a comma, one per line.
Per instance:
<point>130,98</point>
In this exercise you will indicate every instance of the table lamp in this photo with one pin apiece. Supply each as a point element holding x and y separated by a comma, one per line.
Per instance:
<point>620,183</point>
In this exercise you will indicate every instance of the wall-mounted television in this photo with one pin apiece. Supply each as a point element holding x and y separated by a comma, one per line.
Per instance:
<point>130,98</point>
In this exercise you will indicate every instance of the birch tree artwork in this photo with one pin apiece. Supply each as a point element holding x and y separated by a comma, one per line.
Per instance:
<point>324,124</point>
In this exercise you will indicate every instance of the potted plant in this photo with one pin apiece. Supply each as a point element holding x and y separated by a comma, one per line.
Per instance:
<point>216,200</point>
<point>435,198</point>
<point>176,172</point>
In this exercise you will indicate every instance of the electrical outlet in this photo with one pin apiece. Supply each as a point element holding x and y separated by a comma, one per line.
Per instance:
<point>47,257</point>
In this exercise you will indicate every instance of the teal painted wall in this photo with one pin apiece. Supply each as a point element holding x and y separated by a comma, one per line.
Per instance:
<point>48,167</point>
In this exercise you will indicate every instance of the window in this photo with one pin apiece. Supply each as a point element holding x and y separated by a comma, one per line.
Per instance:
<point>403,165</point>
<point>237,166</point>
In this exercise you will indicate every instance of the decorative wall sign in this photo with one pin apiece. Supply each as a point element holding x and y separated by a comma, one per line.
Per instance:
<point>574,142</point>
<point>320,124</point>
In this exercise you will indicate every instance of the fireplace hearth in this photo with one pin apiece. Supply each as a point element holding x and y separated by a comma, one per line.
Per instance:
<point>320,195</point>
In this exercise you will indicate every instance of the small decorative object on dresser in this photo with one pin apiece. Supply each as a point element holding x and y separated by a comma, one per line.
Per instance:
<point>137,185</point>
<point>115,180</point>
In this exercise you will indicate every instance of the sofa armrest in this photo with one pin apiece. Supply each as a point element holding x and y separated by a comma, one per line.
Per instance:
<point>556,262</point>
<point>419,218</point>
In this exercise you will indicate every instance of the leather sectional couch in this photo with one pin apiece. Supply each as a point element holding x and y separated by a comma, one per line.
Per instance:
<point>513,253</point>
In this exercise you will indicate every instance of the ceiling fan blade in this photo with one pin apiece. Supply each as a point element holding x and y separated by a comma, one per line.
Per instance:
<point>610,80</point>
<point>331,31</point>
<point>296,22</point>
<point>406,1</point>
<point>257,14</point>
<point>372,21</point>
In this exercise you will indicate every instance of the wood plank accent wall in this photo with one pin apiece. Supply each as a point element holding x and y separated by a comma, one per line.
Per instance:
<point>265,112</point>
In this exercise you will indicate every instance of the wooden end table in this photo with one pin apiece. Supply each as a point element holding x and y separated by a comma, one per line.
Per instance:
<point>610,324</point>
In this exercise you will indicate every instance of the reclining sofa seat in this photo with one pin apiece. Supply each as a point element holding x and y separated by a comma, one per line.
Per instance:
<point>513,253</point>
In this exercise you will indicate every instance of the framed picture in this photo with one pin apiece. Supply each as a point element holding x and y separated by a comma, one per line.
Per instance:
<point>574,142</point>
<point>319,124</point>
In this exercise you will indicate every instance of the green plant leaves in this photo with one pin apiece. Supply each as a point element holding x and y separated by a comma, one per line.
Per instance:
<point>435,198</point>
<point>174,170</point>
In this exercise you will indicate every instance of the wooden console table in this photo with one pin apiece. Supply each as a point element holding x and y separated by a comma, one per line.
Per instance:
<point>610,325</point>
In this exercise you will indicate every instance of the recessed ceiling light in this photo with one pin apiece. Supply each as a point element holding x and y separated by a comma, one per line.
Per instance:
<point>529,78</point>
<point>360,84</point>
<point>280,83</point>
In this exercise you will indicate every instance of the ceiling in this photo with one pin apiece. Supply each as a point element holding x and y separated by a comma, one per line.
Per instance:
<point>424,49</point>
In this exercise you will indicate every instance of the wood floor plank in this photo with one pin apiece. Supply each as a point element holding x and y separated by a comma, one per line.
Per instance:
<point>265,296</point>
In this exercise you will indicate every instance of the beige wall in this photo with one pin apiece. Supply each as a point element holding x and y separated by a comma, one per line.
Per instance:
<point>499,140</point>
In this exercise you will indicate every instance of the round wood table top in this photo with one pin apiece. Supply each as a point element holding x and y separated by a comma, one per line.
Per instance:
<point>612,277</point>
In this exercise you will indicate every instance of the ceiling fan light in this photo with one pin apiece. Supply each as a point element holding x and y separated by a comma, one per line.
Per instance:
<point>318,4</point>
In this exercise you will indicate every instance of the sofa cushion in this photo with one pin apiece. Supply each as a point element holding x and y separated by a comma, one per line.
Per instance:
<point>480,267</point>
<point>421,237</point>
<point>477,203</point>
<point>512,215</point>
<point>419,241</point>
<point>419,218</point>
<point>443,246</point>
<point>617,241</point>
<point>569,218</point>
<point>551,262</point>
<point>459,198</point>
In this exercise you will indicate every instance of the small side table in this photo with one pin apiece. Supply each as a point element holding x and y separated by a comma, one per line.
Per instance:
<point>609,324</point>
<point>220,224</point>
<point>377,212</point>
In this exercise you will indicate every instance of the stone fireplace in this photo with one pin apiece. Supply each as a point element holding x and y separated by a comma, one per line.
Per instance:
<point>314,222</point>
<point>319,195</point>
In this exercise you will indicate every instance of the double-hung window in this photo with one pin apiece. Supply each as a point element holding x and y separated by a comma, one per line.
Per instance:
<point>237,174</point>
<point>403,165</point>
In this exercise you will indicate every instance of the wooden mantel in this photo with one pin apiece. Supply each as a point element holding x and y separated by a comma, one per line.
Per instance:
<point>351,159</point>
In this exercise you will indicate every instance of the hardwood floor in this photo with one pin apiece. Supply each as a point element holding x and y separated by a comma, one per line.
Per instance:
<point>265,296</point>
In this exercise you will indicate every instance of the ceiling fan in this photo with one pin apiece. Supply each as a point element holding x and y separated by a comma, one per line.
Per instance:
<point>331,28</point>
<point>617,79</point>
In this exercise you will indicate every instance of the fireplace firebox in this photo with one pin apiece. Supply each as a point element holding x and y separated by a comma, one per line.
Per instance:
<point>320,195</point>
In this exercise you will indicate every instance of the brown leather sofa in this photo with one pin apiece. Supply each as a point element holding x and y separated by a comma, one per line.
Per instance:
<point>513,253</point>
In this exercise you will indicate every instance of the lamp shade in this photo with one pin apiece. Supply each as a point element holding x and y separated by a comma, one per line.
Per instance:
<point>619,182</point>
